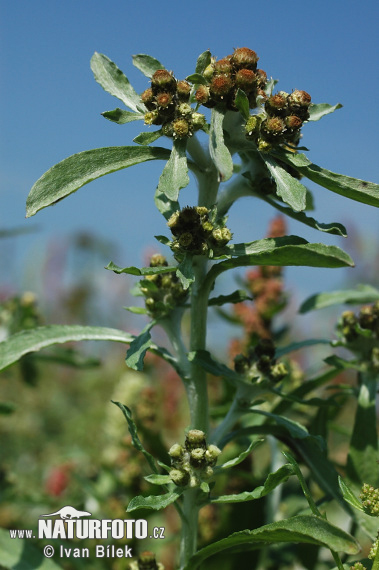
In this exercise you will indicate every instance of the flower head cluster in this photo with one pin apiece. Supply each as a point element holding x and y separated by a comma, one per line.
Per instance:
<point>162,291</point>
<point>358,566</point>
<point>167,101</point>
<point>193,462</point>
<point>196,231</point>
<point>370,500</point>
<point>361,333</point>
<point>146,561</point>
<point>224,77</point>
<point>261,362</point>
<point>282,120</point>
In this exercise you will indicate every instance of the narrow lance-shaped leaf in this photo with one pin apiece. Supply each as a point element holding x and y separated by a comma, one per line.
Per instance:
<point>287,187</point>
<point>362,466</point>
<point>140,271</point>
<point>79,169</point>
<point>147,138</point>
<point>319,110</point>
<point>138,348</point>
<point>362,294</point>
<point>153,502</point>
<point>332,228</point>
<point>217,148</point>
<point>19,344</point>
<point>112,80</point>
<point>175,173</point>
<point>236,297</point>
<point>302,528</point>
<point>120,116</point>
<point>353,188</point>
<point>349,496</point>
<point>242,456</point>
<point>147,64</point>
<point>134,434</point>
<point>288,250</point>
<point>272,481</point>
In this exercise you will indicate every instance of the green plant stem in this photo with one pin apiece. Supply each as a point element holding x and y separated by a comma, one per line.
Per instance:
<point>188,544</point>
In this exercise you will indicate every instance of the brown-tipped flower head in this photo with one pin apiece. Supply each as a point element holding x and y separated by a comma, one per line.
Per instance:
<point>221,85</point>
<point>244,58</point>
<point>183,89</point>
<point>163,80</point>
<point>246,80</point>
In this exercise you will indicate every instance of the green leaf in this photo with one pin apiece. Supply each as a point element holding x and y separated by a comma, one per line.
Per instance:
<point>18,554</point>
<point>242,456</point>
<point>19,344</point>
<point>140,271</point>
<point>333,228</point>
<point>137,310</point>
<point>217,148</point>
<point>134,434</point>
<point>295,429</point>
<point>360,295</point>
<point>349,496</point>
<point>156,479</point>
<point>185,271</point>
<point>203,61</point>
<point>272,481</point>
<point>287,187</point>
<point>299,345</point>
<point>362,466</point>
<point>147,64</point>
<point>288,250</point>
<point>303,528</point>
<point>197,79</point>
<point>147,138</point>
<point>319,110</point>
<point>166,206</point>
<point>353,188</point>
<point>138,348</point>
<point>112,80</point>
<point>120,116</point>
<point>236,297</point>
<point>154,502</point>
<point>242,103</point>
<point>79,169</point>
<point>175,173</point>
<point>205,360</point>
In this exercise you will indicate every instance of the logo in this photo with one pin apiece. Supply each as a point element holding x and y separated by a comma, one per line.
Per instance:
<point>69,513</point>
<point>74,524</point>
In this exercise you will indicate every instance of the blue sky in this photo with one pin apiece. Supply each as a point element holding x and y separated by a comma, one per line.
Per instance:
<point>51,109</point>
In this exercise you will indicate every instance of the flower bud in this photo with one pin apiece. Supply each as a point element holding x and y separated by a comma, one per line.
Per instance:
<point>261,77</point>
<point>164,100</point>
<point>173,221</point>
<point>220,86</point>
<point>241,364</point>
<point>202,94</point>
<point>163,80</point>
<point>212,454</point>
<point>183,90</point>
<point>276,104</point>
<point>264,146</point>
<point>176,451</point>
<point>197,457</point>
<point>152,118</point>
<point>278,372</point>
<point>253,125</point>
<point>185,239</point>
<point>272,129</point>
<point>367,319</point>
<point>299,98</point>
<point>147,98</point>
<point>246,80</point>
<point>208,72</point>
<point>167,129</point>
<point>293,122</point>
<point>244,58</point>
<point>146,561</point>
<point>208,472</point>
<point>198,121</point>
<point>184,109</point>
<point>180,128</point>
<point>195,438</point>
<point>158,260</point>
<point>223,66</point>
<point>180,477</point>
